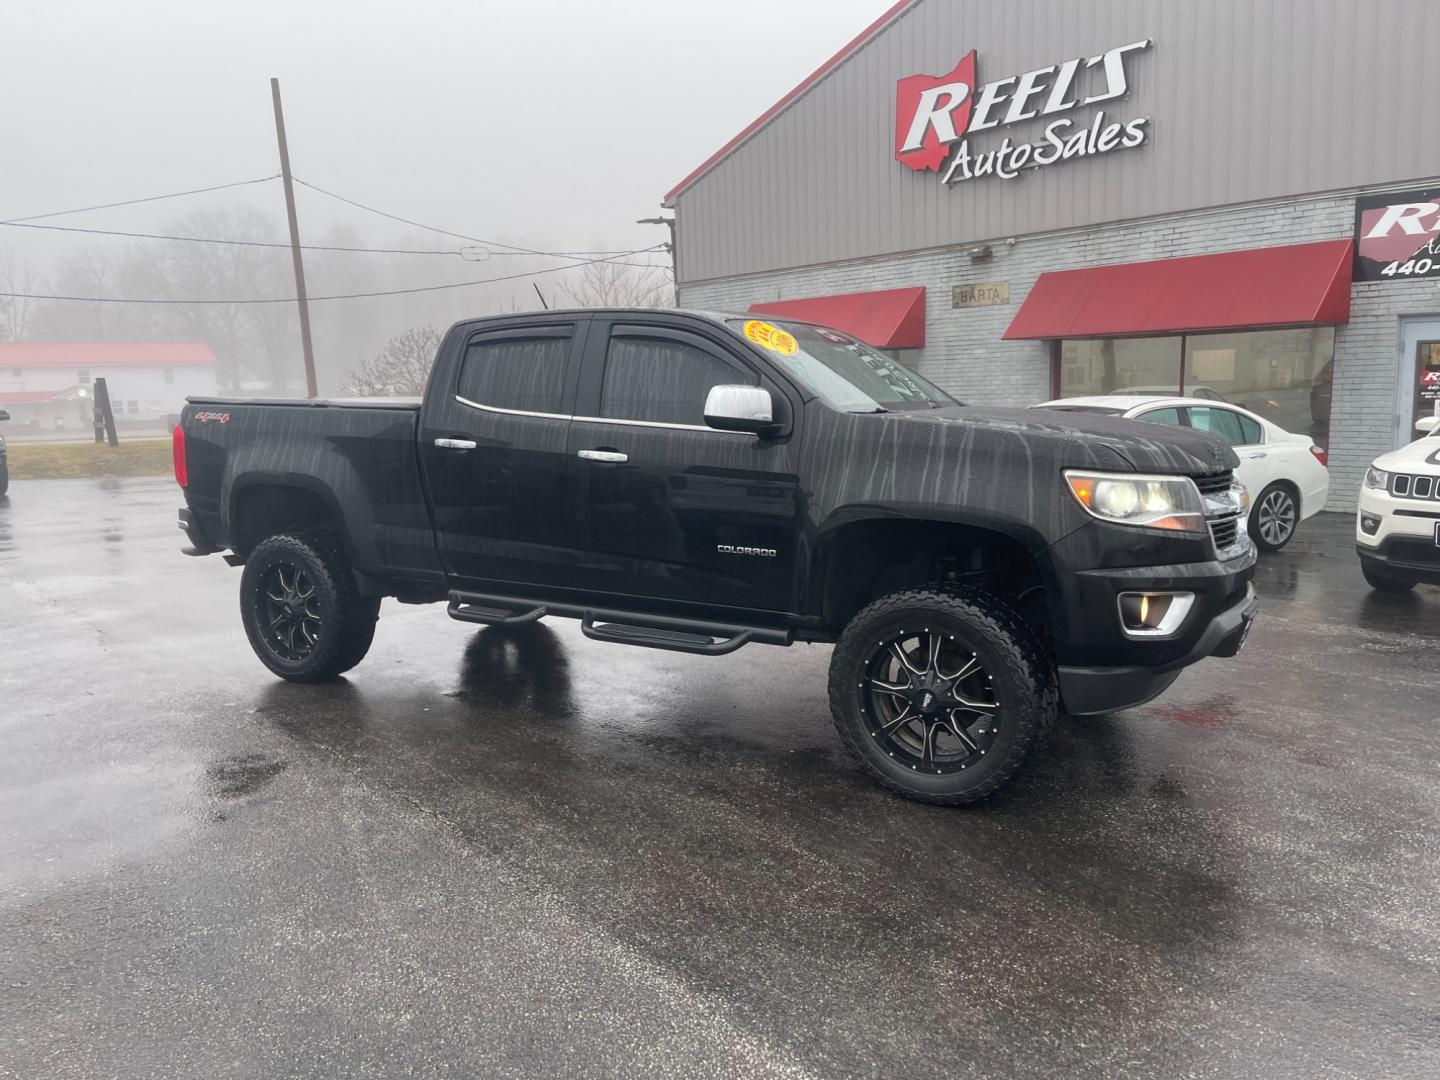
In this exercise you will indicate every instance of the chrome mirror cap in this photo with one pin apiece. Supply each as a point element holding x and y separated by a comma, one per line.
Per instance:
<point>739,408</point>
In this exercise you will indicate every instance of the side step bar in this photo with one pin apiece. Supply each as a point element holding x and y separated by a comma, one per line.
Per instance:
<point>621,627</point>
<point>492,611</point>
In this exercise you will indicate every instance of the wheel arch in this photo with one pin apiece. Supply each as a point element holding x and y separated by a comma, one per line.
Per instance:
<point>865,552</point>
<point>261,503</point>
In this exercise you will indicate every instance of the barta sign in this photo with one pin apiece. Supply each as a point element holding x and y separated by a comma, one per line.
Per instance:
<point>935,115</point>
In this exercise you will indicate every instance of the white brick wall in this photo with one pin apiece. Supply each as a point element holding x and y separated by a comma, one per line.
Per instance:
<point>964,353</point>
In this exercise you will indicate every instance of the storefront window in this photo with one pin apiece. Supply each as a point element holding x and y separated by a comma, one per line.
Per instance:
<point>1282,375</point>
<point>1116,365</point>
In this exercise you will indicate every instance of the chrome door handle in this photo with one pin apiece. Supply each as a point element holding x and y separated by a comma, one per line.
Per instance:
<point>1257,455</point>
<point>603,455</point>
<point>455,444</point>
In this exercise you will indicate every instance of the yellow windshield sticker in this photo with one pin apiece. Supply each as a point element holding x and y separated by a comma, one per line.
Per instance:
<point>771,337</point>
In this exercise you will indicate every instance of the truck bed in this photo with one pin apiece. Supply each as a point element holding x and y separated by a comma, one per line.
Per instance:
<point>352,461</point>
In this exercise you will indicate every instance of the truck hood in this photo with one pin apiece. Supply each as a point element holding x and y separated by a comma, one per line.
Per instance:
<point>1078,439</point>
<point>1420,456</point>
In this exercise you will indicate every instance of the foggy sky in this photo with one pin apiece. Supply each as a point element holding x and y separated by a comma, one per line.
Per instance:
<point>547,124</point>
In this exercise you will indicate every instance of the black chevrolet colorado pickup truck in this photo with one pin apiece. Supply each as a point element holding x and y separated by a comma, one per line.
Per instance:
<point>697,481</point>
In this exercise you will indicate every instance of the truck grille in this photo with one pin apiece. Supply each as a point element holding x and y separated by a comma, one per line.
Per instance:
<point>1411,486</point>
<point>1225,531</point>
<point>1222,514</point>
<point>1214,483</point>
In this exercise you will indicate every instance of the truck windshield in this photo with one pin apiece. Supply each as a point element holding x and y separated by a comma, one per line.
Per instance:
<point>844,373</point>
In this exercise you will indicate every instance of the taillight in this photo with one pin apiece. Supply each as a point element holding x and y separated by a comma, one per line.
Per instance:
<point>1320,456</point>
<point>177,448</point>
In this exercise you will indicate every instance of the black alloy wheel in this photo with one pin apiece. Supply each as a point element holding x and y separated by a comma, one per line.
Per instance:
<point>930,702</point>
<point>289,612</point>
<point>941,692</point>
<point>1273,521</point>
<point>302,611</point>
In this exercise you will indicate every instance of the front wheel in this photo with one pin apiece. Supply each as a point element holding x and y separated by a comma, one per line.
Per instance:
<point>941,694</point>
<point>301,610</point>
<point>1273,521</point>
<point>4,479</point>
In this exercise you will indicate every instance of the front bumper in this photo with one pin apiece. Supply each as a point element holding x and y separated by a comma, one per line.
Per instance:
<point>1101,667</point>
<point>1406,540</point>
<point>1087,690</point>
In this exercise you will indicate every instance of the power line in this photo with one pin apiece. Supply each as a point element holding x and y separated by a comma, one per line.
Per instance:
<point>338,296</point>
<point>233,243</point>
<point>461,252</point>
<point>148,198</point>
<point>512,248</point>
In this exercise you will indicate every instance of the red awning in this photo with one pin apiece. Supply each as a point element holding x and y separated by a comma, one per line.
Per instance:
<point>890,319</point>
<point>1279,286</point>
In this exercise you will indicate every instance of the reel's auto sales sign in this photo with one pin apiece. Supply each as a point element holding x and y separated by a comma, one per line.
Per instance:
<point>1397,236</point>
<point>935,116</point>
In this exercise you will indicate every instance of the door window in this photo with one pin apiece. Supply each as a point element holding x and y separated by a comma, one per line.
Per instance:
<point>1427,381</point>
<point>525,374</point>
<point>1162,416</point>
<point>661,380</point>
<point>1225,424</point>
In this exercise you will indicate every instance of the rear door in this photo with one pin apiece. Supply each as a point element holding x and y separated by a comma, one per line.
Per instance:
<point>681,512</point>
<point>1257,465</point>
<point>494,446</point>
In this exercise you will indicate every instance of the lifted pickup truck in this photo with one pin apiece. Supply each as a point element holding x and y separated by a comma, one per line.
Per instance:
<point>697,481</point>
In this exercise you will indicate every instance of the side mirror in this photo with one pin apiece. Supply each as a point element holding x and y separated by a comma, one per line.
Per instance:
<point>739,408</point>
<point>1424,424</point>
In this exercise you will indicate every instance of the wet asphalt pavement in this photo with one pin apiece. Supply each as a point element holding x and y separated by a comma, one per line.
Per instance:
<point>528,854</point>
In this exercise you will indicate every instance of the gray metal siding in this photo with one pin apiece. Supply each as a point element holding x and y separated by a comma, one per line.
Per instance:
<point>1248,99</point>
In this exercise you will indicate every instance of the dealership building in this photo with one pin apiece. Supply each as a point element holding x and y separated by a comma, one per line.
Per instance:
<point>1042,198</point>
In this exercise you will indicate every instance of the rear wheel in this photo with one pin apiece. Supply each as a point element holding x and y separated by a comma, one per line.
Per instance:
<point>1384,580</point>
<point>941,694</point>
<point>302,613</point>
<point>1273,520</point>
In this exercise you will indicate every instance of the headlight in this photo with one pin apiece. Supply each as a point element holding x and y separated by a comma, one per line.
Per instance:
<point>1154,502</point>
<point>1377,479</point>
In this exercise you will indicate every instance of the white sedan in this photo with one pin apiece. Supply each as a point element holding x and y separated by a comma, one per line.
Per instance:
<point>1285,473</point>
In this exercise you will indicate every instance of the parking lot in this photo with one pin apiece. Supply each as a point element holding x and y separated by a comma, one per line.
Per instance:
<point>523,853</point>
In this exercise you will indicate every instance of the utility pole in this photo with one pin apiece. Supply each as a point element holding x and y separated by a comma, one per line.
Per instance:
<point>669,249</point>
<point>300,296</point>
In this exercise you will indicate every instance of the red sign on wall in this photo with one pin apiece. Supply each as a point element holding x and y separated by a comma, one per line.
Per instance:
<point>1397,236</point>
<point>936,115</point>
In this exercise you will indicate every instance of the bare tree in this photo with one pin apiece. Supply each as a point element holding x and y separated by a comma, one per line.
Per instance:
<point>17,312</point>
<point>90,273</point>
<point>248,339</point>
<point>613,284</point>
<point>400,369</point>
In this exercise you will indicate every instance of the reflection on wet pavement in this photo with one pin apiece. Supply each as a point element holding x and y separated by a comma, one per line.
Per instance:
<point>518,852</point>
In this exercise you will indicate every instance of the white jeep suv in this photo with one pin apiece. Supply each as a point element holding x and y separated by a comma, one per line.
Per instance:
<point>1397,528</point>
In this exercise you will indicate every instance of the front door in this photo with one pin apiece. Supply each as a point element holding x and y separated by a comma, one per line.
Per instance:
<point>674,509</point>
<point>1420,374</point>
<point>494,451</point>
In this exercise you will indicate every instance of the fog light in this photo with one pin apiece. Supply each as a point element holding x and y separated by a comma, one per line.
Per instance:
<point>1369,523</point>
<point>1154,614</point>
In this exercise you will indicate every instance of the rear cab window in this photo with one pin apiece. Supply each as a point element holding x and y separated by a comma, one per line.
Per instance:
<point>517,371</point>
